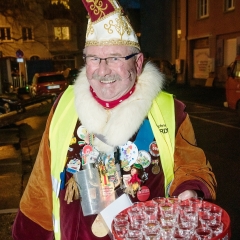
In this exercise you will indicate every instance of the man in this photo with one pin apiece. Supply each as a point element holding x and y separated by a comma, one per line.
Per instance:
<point>115,114</point>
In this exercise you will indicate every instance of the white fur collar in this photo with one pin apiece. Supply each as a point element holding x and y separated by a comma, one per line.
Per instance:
<point>119,124</point>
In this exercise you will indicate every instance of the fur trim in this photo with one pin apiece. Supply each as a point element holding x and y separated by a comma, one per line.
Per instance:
<point>119,124</point>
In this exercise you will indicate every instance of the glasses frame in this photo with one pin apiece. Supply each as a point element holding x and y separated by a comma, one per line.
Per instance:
<point>106,59</point>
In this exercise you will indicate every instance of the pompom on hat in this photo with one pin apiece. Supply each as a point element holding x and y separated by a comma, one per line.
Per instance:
<point>107,25</point>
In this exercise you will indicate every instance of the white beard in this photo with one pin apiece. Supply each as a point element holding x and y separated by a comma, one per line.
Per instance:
<point>119,124</point>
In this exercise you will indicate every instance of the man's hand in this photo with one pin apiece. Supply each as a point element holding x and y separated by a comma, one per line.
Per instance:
<point>187,194</point>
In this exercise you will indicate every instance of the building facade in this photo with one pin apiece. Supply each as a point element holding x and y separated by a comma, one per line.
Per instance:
<point>34,35</point>
<point>209,40</point>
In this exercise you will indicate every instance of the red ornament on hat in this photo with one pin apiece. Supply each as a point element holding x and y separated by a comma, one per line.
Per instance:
<point>98,9</point>
<point>107,25</point>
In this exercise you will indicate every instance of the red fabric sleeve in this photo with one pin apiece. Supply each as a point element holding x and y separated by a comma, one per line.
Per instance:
<point>25,229</point>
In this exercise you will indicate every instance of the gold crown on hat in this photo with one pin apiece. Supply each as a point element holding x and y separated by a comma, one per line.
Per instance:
<point>107,25</point>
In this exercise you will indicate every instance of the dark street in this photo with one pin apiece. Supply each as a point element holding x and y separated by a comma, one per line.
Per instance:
<point>217,132</point>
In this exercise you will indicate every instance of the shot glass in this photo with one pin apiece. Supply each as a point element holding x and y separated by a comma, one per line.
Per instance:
<point>216,211</point>
<point>138,206</point>
<point>196,202</point>
<point>138,220</point>
<point>169,220</point>
<point>206,218</point>
<point>177,235</point>
<point>133,234</point>
<point>191,215</point>
<point>206,206</point>
<point>159,200</point>
<point>183,204</point>
<point>217,228</point>
<point>186,229</point>
<point>151,233</point>
<point>166,231</point>
<point>151,224</point>
<point>121,229</point>
<point>203,233</point>
<point>151,210</point>
<point>121,217</point>
<point>166,209</point>
<point>175,202</point>
<point>134,209</point>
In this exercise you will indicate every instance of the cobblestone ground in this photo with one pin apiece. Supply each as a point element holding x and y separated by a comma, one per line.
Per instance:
<point>16,165</point>
<point>6,221</point>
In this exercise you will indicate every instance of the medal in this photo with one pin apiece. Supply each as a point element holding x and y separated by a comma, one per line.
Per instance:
<point>155,169</point>
<point>99,229</point>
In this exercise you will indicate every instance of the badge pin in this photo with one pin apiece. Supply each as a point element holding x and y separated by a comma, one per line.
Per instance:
<point>82,132</point>
<point>143,194</point>
<point>144,158</point>
<point>153,149</point>
<point>128,154</point>
<point>74,165</point>
<point>86,154</point>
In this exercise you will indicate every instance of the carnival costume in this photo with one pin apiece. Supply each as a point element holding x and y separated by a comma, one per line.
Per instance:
<point>118,126</point>
<point>147,127</point>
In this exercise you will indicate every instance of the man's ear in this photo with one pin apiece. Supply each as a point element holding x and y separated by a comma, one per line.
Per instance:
<point>139,63</point>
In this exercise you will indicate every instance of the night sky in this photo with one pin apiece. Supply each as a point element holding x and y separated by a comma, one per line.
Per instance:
<point>130,3</point>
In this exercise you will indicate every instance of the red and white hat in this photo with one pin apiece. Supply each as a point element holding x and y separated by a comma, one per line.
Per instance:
<point>108,25</point>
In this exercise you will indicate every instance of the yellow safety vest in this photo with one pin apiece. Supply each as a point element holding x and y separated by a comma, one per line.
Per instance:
<point>62,127</point>
<point>60,133</point>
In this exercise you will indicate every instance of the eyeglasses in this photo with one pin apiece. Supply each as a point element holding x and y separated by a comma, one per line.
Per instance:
<point>110,61</point>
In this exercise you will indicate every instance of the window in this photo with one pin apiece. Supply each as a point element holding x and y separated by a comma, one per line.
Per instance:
<point>203,10</point>
<point>5,34</point>
<point>229,5</point>
<point>27,34</point>
<point>61,33</point>
<point>64,2</point>
<point>236,70</point>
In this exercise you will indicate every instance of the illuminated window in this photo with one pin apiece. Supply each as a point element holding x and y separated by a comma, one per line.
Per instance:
<point>5,34</point>
<point>64,2</point>
<point>61,33</point>
<point>236,70</point>
<point>203,10</point>
<point>229,5</point>
<point>27,34</point>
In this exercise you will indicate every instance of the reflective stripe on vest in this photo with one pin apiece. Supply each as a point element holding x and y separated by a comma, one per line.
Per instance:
<point>162,120</point>
<point>60,134</point>
<point>62,127</point>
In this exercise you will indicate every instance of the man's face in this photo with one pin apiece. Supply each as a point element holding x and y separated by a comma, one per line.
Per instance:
<point>111,81</point>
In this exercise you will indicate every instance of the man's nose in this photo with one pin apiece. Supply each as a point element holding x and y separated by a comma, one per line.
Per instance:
<point>103,68</point>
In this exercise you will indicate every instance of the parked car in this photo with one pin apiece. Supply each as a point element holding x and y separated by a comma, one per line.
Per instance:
<point>14,101</point>
<point>8,102</point>
<point>48,83</point>
<point>72,76</point>
<point>19,100</point>
<point>233,85</point>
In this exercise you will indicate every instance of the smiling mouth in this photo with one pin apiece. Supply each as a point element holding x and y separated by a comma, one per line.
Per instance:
<point>108,81</point>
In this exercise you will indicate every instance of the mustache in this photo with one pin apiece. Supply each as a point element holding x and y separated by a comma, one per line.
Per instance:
<point>114,77</point>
